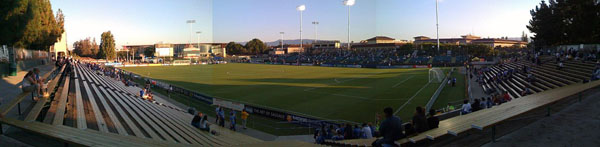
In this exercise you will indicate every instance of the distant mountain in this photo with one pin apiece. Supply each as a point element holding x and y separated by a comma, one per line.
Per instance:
<point>296,41</point>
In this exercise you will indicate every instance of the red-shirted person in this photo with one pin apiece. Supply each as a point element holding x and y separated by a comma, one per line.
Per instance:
<point>506,97</point>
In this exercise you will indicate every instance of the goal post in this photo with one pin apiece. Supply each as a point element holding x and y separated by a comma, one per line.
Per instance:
<point>436,75</point>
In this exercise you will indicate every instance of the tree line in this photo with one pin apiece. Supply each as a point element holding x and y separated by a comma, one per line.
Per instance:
<point>30,24</point>
<point>254,46</point>
<point>89,48</point>
<point>565,22</point>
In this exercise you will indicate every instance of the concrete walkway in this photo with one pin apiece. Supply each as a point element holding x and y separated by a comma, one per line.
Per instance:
<point>575,125</point>
<point>476,90</point>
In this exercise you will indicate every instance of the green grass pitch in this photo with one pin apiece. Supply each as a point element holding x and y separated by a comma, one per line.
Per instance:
<point>353,94</point>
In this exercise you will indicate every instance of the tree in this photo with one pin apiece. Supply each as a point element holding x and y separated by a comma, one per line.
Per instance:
<point>107,46</point>
<point>256,46</point>
<point>30,24</point>
<point>235,48</point>
<point>524,37</point>
<point>85,48</point>
<point>149,52</point>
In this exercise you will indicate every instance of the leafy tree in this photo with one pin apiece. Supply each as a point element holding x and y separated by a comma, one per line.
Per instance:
<point>85,48</point>
<point>235,48</point>
<point>149,52</point>
<point>107,46</point>
<point>256,46</point>
<point>30,24</point>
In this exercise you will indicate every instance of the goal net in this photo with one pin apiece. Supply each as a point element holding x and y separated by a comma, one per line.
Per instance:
<point>436,75</point>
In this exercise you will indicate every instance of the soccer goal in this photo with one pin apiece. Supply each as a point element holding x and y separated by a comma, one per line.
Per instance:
<point>436,75</point>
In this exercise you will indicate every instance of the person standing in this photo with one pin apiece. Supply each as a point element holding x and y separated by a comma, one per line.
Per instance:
<point>232,120</point>
<point>217,114</point>
<point>419,120</point>
<point>244,118</point>
<point>221,117</point>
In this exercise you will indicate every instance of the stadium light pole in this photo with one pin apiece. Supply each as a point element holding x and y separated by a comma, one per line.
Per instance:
<point>198,34</point>
<point>301,8</point>
<point>349,3</point>
<point>191,22</point>
<point>316,23</point>
<point>281,39</point>
<point>437,25</point>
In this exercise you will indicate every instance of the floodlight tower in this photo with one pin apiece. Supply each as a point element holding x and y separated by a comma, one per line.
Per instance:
<point>301,8</point>
<point>437,25</point>
<point>316,23</point>
<point>191,22</point>
<point>281,39</point>
<point>349,3</point>
<point>198,34</point>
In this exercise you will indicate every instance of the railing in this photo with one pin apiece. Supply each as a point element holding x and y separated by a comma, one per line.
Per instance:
<point>438,91</point>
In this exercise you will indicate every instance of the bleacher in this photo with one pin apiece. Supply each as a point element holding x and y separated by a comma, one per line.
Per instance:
<point>89,109</point>
<point>552,86</point>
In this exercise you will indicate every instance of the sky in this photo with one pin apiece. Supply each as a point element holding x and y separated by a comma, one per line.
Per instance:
<point>135,22</point>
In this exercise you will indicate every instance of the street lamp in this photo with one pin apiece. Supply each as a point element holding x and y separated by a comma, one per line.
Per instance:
<point>316,23</point>
<point>281,39</point>
<point>301,8</point>
<point>198,33</point>
<point>349,3</point>
<point>191,22</point>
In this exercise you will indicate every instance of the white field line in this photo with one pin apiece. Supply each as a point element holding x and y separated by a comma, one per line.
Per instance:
<point>402,81</point>
<point>410,99</point>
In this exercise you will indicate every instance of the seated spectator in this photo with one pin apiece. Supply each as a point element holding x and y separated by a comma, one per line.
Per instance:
<point>596,74</point>
<point>338,136</point>
<point>204,126</point>
<point>476,106</point>
<point>433,121</point>
<point>525,91</point>
<point>449,107</point>
<point>348,132</point>
<point>409,129</point>
<point>490,102</point>
<point>366,130</point>
<point>390,129</point>
<point>506,97</point>
<point>196,120</point>
<point>30,85</point>
<point>357,132</point>
<point>466,107</point>
<point>419,120</point>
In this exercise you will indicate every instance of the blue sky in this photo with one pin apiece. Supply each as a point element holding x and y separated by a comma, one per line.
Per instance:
<point>148,22</point>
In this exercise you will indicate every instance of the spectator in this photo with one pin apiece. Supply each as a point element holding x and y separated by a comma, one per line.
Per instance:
<point>196,120</point>
<point>366,130</point>
<point>244,118</point>
<point>204,126</point>
<point>433,121</point>
<point>449,107</point>
<point>419,120</point>
<point>39,81</point>
<point>483,103</point>
<point>217,110</point>
<point>357,132</point>
<point>232,120</point>
<point>476,106</point>
<point>348,132</point>
<point>409,129</point>
<point>338,136</point>
<point>490,103</point>
<point>391,129</point>
<point>221,117</point>
<point>30,85</point>
<point>466,107</point>
<point>506,97</point>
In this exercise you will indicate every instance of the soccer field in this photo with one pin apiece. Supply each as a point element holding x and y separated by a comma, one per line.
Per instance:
<point>353,94</point>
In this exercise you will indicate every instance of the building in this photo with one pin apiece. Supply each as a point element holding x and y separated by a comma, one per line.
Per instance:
<point>163,50</point>
<point>471,39</point>
<point>379,42</point>
<point>60,48</point>
<point>321,44</point>
<point>180,50</point>
<point>287,49</point>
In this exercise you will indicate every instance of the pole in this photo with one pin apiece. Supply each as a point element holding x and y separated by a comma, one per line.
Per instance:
<point>348,27</point>
<point>437,25</point>
<point>281,39</point>
<point>300,29</point>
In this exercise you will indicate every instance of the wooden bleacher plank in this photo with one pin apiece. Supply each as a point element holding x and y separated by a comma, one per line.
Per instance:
<point>188,127</point>
<point>62,104</point>
<point>117,124</point>
<point>83,137</point>
<point>97,114</point>
<point>143,125</point>
<point>536,102</point>
<point>81,122</point>
<point>158,124</point>
<point>124,116</point>
<point>164,122</point>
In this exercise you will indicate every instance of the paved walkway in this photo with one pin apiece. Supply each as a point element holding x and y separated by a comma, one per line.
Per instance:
<point>575,125</point>
<point>476,90</point>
